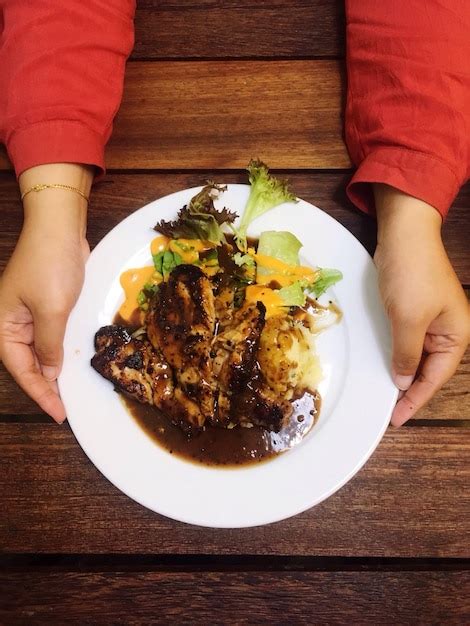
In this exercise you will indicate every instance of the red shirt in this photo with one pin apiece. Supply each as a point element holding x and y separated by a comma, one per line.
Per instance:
<point>408,111</point>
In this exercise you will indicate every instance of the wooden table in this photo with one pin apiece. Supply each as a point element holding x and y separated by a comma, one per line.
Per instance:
<point>211,84</point>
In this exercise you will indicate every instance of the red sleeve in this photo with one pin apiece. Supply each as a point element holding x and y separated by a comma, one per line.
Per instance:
<point>61,75</point>
<point>408,109</point>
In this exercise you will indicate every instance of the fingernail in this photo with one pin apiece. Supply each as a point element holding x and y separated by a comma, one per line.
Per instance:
<point>403,382</point>
<point>50,372</point>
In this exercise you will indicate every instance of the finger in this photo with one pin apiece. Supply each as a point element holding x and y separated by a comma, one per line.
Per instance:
<point>408,339</point>
<point>437,368</point>
<point>52,383</point>
<point>49,330</point>
<point>19,360</point>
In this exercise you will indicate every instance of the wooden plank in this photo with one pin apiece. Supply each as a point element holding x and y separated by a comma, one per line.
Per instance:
<point>182,29</point>
<point>120,194</point>
<point>410,500</point>
<point>219,114</point>
<point>236,598</point>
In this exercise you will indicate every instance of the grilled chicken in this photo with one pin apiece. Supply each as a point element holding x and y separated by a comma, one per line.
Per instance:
<point>181,325</point>
<point>201,360</point>
<point>132,365</point>
<point>234,352</point>
<point>244,397</point>
<point>224,308</point>
<point>140,372</point>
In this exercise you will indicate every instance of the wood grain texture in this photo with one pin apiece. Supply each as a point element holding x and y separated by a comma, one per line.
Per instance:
<point>220,114</point>
<point>237,598</point>
<point>181,29</point>
<point>410,500</point>
<point>120,194</point>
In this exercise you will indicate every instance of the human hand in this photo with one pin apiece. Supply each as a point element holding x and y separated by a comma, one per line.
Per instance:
<point>428,309</point>
<point>42,282</point>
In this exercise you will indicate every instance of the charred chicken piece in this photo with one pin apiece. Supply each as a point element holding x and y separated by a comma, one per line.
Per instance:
<point>140,372</point>
<point>234,351</point>
<point>132,365</point>
<point>181,325</point>
<point>224,306</point>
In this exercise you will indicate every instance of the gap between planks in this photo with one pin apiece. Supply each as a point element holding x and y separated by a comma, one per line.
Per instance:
<point>231,58</point>
<point>221,563</point>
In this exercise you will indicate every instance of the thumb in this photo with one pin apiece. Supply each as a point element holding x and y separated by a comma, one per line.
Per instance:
<point>408,339</point>
<point>49,330</point>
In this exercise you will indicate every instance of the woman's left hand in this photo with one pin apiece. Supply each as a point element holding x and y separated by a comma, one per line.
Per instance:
<point>423,298</point>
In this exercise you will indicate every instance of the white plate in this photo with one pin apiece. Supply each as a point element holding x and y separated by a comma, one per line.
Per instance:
<point>357,391</point>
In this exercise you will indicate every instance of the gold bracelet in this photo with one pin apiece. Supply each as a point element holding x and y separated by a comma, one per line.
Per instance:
<point>38,188</point>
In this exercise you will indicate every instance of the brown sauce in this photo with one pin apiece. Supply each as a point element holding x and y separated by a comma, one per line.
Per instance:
<point>221,446</point>
<point>131,324</point>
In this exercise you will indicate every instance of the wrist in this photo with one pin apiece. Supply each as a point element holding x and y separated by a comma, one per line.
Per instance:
<point>57,211</point>
<point>73,174</point>
<point>403,217</point>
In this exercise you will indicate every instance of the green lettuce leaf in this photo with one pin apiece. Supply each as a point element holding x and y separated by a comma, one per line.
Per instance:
<point>326,279</point>
<point>266,192</point>
<point>293,295</point>
<point>280,245</point>
<point>166,261</point>
<point>243,259</point>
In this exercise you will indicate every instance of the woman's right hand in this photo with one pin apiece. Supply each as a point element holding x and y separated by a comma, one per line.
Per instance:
<point>38,290</point>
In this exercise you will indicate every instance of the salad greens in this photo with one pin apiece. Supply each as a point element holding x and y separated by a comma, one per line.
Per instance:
<point>285,246</point>
<point>293,295</point>
<point>326,279</point>
<point>199,219</point>
<point>196,233</point>
<point>166,261</point>
<point>280,245</point>
<point>243,259</point>
<point>266,192</point>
